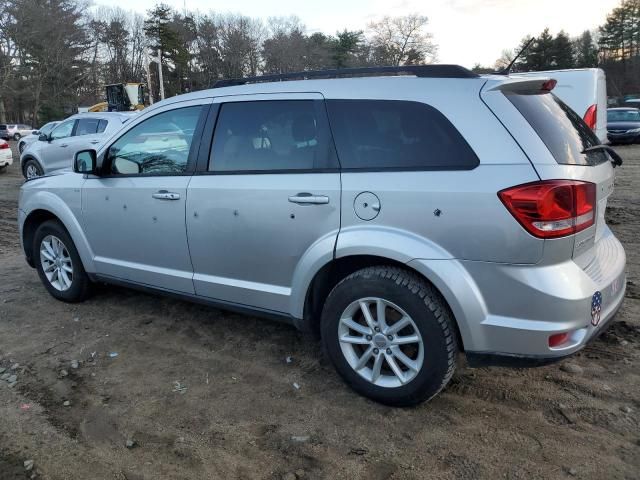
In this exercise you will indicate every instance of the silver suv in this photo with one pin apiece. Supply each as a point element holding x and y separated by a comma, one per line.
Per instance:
<point>404,217</point>
<point>55,148</point>
<point>14,131</point>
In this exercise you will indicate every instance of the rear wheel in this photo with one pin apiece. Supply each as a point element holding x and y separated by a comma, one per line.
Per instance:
<point>31,169</point>
<point>390,335</point>
<point>17,137</point>
<point>58,263</point>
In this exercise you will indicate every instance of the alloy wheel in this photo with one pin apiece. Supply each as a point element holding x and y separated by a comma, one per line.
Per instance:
<point>381,342</point>
<point>56,263</point>
<point>32,171</point>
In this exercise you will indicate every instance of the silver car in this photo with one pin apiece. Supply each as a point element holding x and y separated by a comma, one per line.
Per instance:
<point>55,149</point>
<point>14,131</point>
<point>404,218</point>
<point>27,140</point>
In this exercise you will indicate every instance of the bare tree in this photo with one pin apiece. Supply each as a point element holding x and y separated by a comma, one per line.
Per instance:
<point>402,40</point>
<point>505,59</point>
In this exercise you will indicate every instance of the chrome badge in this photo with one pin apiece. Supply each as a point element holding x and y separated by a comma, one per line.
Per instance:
<point>596,308</point>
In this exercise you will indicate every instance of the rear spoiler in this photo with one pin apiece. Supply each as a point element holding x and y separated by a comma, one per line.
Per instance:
<point>515,84</point>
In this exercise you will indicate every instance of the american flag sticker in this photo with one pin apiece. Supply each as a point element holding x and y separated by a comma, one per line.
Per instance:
<point>596,308</point>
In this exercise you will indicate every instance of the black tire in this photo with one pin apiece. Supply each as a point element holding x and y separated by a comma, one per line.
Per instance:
<point>34,164</point>
<point>428,310</point>
<point>17,137</point>
<point>80,283</point>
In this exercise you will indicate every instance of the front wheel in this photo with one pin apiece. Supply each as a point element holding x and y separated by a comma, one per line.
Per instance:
<point>390,335</point>
<point>58,263</point>
<point>31,169</point>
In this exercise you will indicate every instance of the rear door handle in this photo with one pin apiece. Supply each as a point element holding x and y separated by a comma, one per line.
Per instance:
<point>309,199</point>
<point>64,145</point>
<point>165,195</point>
<point>95,142</point>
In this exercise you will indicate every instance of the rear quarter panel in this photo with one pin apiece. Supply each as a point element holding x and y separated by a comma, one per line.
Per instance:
<point>472,224</point>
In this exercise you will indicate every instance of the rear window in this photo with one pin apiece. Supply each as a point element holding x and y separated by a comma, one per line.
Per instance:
<point>396,135</point>
<point>561,129</point>
<point>3,127</point>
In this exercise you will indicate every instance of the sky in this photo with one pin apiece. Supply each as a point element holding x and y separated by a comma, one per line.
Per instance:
<point>466,31</point>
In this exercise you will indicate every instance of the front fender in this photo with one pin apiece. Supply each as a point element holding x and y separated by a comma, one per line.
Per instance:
<point>66,209</point>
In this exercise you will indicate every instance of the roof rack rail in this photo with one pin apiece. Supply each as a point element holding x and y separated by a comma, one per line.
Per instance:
<point>433,71</point>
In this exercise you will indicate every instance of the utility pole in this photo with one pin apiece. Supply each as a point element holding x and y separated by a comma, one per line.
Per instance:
<point>147,65</point>
<point>157,60</point>
<point>160,74</point>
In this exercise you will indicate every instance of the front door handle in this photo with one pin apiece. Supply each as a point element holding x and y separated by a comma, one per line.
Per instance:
<point>165,195</point>
<point>309,199</point>
<point>95,142</point>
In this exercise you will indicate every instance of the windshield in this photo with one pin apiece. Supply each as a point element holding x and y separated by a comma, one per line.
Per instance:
<point>48,127</point>
<point>623,115</point>
<point>561,129</point>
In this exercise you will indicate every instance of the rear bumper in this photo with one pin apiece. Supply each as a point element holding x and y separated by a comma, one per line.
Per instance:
<point>6,157</point>
<point>509,311</point>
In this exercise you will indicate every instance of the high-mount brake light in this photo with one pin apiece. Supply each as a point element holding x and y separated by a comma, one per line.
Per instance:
<point>552,208</point>
<point>549,85</point>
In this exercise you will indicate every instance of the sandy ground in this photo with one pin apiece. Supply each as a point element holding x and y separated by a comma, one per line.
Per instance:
<point>206,394</point>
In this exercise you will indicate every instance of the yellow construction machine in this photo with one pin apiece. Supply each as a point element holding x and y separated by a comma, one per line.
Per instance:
<point>122,97</point>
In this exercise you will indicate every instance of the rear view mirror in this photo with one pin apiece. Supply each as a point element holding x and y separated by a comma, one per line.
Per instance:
<point>36,132</point>
<point>125,166</point>
<point>85,162</point>
<point>43,137</point>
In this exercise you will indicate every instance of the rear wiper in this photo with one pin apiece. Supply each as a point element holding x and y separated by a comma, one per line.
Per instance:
<point>616,159</point>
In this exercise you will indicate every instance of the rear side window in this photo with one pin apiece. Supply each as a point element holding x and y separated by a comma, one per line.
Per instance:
<point>87,126</point>
<point>401,135</point>
<point>102,126</point>
<point>561,129</point>
<point>272,136</point>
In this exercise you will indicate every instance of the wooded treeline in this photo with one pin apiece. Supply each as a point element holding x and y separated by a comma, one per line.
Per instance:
<point>56,55</point>
<point>613,46</point>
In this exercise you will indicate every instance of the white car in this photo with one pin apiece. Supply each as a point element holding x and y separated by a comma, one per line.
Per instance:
<point>6,157</point>
<point>585,91</point>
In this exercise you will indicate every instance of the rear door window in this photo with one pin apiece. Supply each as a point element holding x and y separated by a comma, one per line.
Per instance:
<point>102,126</point>
<point>87,126</point>
<point>396,135</point>
<point>561,129</point>
<point>272,136</point>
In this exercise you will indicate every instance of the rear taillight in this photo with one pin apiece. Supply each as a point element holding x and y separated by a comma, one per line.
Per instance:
<point>591,116</point>
<point>552,208</point>
<point>4,145</point>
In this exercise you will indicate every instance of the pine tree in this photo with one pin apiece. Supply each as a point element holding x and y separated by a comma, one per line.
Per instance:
<point>585,51</point>
<point>562,51</point>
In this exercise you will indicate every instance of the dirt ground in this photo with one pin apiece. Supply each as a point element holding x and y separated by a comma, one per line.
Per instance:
<point>206,394</point>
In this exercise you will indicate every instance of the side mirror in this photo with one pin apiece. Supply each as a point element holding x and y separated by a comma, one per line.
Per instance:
<point>43,137</point>
<point>85,162</point>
